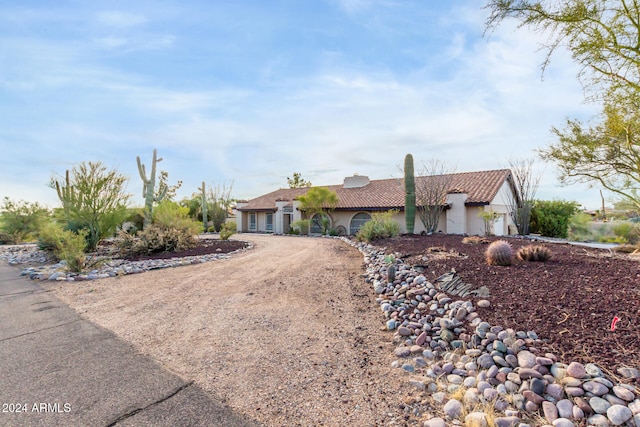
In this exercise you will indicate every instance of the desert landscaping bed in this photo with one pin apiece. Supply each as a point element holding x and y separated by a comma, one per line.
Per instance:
<point>569,300</point>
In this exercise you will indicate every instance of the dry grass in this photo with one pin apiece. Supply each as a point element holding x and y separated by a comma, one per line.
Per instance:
<point>475,240</point>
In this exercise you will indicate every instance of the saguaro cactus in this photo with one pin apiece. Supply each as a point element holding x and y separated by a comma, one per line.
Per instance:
<point>149,187</point>
<point>203,202</point>
<point>409,194</point>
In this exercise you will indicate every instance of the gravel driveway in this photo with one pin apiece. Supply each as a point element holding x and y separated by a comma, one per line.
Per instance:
<point>287,333</point>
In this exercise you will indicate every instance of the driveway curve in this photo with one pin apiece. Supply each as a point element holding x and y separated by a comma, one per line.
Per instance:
<point>287,333</point>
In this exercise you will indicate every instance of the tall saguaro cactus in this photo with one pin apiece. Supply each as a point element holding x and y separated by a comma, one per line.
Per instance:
<point>203,202</point>
<point>409,194</point>
<point>148,188</point>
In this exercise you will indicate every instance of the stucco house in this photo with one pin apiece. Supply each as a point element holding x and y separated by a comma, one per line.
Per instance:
<point>470,194</point>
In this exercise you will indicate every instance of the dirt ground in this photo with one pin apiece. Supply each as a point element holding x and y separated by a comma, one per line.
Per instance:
<point>287,333</point>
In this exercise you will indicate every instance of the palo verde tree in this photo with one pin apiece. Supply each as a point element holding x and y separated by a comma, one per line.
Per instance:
<point>602,36</point>
<point>431,192</point>
<point>93,199</point>
<point>317,202</point>
<point>607,154</point>
<point>297,181</point>
<point>409,194</point>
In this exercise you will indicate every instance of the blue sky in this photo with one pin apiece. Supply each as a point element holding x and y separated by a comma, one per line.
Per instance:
<point>251,91</point>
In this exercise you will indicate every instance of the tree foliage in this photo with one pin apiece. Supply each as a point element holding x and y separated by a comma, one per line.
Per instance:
<point>22,220</point>
<point>297,181</point>
<point>319,200</point>
<point>607,153</point>
<point>602,36</point>
<point>93,199</point>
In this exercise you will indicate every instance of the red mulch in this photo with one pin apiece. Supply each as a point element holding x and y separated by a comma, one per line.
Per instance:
<point>570,300</point>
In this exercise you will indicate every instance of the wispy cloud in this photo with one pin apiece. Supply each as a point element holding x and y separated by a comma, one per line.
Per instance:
<point>120,19</point>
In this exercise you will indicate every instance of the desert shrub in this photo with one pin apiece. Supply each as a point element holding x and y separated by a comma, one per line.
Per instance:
<point>580,227</point>
<point>628,231</point>
<point>135,216</point>
<point>533,253</point>
<point>64,244</point>
<point>551,218</point>
<point>612,239</point>
<point>300,227</point>
<point>154,239</point>
<point>381,226</point>
<point>169,214</point>
<point>499,252</point>
<point>7,239</point>
<point>473,240</point>
<point>229,228</point>
<point>22,220</point>
<point>627,249</point>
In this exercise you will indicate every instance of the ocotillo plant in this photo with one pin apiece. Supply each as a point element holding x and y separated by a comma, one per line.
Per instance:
<point>409,194</point>
<point>149,187</point>
<point>203,202</point>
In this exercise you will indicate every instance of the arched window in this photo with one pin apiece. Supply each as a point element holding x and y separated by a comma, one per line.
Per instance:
<point>358,221</point>
<point>317,226</point>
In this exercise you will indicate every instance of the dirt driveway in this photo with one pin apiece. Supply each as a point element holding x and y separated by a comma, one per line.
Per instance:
<point>287,333</point>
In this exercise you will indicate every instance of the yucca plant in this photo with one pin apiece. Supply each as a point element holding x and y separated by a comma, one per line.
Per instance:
<point>499,252</point>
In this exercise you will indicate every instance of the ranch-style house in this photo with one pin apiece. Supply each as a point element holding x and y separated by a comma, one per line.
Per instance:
<point>470,194</point>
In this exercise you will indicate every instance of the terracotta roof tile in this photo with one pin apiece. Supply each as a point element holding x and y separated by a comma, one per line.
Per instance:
<point>481,187</point>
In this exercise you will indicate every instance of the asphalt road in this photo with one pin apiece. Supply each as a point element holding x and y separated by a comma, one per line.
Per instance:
<point>58,369</point>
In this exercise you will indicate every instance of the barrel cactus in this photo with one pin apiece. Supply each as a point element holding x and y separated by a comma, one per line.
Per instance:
<point>499,252</point>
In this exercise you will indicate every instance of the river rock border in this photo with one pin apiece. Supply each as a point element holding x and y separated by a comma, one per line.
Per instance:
<point>28,254</point>
<point>483,375</point>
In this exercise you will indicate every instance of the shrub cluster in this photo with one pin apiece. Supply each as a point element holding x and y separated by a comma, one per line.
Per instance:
<point>381,226</point>
<point>551,218</point>
<point>64,244</point>
<point>156,238</point>
<point>533,253</point>
<point>7,239</point>
<point>500,253</point>
<point>627,231</point>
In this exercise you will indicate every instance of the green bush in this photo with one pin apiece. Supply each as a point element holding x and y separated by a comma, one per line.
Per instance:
<point>300,226</point>
<point>229,228</point>
<point>64,244</point>
<point>22,220</point>
<point>381,226</point>
<point>628,231</point>
<point>551,218</point>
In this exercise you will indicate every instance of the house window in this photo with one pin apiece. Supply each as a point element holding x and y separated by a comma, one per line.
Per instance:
<point>269,222</point>
<point>252,221</point>
<point>358,221</point>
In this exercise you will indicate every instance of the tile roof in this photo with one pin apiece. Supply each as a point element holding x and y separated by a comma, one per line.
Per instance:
<point>481,188</point>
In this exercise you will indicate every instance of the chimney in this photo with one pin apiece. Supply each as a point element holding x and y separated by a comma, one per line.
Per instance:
<point>356,181</point>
